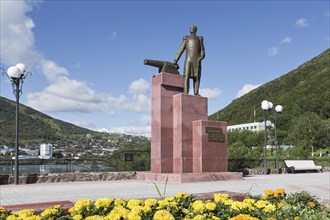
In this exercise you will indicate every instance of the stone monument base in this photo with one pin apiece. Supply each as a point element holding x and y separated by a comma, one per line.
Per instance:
<point>188,177</point>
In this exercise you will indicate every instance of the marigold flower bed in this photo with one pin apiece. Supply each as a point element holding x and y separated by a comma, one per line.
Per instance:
<point>273,205</point>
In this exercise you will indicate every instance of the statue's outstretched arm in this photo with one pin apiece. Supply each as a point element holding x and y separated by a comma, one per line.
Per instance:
<point>180,51</point>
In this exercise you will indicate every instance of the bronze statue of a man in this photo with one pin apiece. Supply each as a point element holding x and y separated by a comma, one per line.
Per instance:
<point>195,53</point>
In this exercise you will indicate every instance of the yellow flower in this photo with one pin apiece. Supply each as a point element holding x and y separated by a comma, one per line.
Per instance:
<point>198,206</point>
<point>11,217</point>
<point>146,209</point>
<point>261,204</point>
<point>270,208</point>
<point>220,197</point>
<point>103,203</point>
<point>113,216</point>
<point>210,206</point>
<point>121,202</point>
<point>120,211</point>
<point>270,218</point>
<point>2,210</point>
<point>170,198</point>
<point>174,205</point>
<point>181,195</point>
<point>71,210</point>
<point>163,215</point>
<point>25,213</point>
<point>134,202</point>
<point>94,217</point>
<point>83,203</point>
<point>249,201</point>
<point>163,203</point>
<point>238,205</point>
<point>77,217</point>
<point>137,209</point>
<point>199,217</point>
<point>269,192</point>
<point>49,211</point>
<point>296,218</point>
<point>133,216</point>
<point>150,202</point>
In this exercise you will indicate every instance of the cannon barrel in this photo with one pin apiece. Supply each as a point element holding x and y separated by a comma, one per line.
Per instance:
<point>155,63</point>
<point>163,66</point>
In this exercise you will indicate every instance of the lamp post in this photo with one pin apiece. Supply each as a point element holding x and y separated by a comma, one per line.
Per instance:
<point>266,106</point>
<point>16,75</point>
<point>278,110</point>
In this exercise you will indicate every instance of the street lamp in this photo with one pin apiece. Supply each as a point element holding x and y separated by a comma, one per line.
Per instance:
<point>266,106</point>
<point>278,110</point>
<point>16,75</point>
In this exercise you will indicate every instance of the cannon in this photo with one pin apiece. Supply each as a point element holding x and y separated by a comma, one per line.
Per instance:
<point>163,66</point>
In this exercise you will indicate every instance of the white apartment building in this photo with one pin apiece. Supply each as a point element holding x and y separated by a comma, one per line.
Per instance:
<point>46,151</point>
<point>254,126</point>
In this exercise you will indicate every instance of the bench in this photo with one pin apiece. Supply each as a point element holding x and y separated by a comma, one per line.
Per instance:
<point>291,166</point>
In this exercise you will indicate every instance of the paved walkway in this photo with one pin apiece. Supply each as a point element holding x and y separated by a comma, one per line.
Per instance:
<point>317,184</point>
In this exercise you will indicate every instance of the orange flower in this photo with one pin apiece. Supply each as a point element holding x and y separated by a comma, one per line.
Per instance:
<point>269,192</point>
<point>280,191</point>
<point>311,204</point>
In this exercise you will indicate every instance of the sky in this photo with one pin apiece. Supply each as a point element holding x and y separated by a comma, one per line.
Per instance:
<point>86,57</point>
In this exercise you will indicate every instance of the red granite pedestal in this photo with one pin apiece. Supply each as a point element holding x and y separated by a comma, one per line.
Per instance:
<point>185,146</point>
<point>163,87</point>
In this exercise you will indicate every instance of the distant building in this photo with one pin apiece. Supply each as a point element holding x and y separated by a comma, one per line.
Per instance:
<point>32,153</point>
<point>255,126</point>
<point>5,149</point>
<point>46,151</point>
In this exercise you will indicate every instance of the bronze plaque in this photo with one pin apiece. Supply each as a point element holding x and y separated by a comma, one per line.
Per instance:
<point>215,134</point>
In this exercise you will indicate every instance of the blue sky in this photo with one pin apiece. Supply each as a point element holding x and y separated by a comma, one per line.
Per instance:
<point>86,57</point>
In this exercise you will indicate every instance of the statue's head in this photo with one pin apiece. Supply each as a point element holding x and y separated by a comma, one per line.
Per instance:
<point>193,29</point>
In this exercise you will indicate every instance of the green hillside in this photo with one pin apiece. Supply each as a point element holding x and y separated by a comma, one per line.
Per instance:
<point>305,89</point>
<point>35,127</point>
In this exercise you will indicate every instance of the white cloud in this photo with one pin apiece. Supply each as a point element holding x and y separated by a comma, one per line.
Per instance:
<point>52,71</point>
<point>286,40</point>
<point>138,103</point>
<point>210,93</point>
<point>17,39</point>
<point>302,22</point>
<point>140,86</point>
<point>272,51</point>
<point>246,89</point>
<point>63,94</point>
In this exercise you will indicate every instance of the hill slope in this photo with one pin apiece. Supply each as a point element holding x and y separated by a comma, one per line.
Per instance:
<point>35,127</point>
<point>307,88</point>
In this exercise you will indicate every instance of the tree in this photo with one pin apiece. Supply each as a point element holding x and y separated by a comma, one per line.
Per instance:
<point>309,132</point>
<point>249,139</point>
